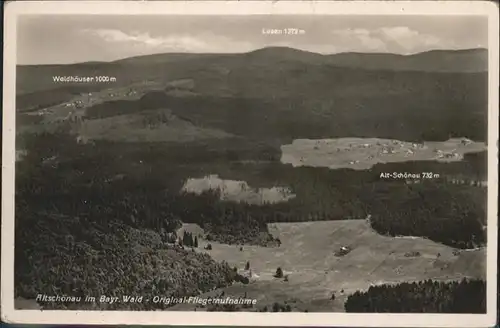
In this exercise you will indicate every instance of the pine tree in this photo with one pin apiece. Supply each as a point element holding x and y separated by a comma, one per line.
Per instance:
<point>247,266</point>
<point>279,273</point>
<point>185,238</point>
<point>195,241</point>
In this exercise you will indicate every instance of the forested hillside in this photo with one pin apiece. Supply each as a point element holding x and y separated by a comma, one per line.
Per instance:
<point>283,94</point>
<point>466,296</point>
<point>438,116</point>
<point>75,256</point>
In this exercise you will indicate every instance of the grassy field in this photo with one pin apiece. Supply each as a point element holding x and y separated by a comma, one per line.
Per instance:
<point>363,153</point>
<point>307,256</point>
<point>238,191</point>
<point>135,128</point>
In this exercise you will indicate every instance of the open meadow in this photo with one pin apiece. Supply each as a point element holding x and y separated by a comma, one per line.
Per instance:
<point>363,153</point>
<point>314,272</point>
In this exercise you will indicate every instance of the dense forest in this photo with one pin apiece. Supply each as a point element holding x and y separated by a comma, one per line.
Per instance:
<point>75,256</point>
<point>142,189</point>
<point>288,118</point>
<point>449,214</point>
<point>452,215</point>
<point>466,296</point>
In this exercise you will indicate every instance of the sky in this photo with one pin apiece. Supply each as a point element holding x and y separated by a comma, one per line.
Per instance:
<point>72,39</point>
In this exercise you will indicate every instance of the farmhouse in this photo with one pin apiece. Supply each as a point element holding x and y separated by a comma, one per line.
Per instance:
<point>20,154</point>
<point>181,84</point>
<point>78,104</point>
<point>344,250</point>
<point>83,140</point>
<point>388,150</point>
<point>451,154</point>
<point>465,141</point>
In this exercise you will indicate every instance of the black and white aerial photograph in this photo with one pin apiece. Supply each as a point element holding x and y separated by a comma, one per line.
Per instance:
<point>252,163</point>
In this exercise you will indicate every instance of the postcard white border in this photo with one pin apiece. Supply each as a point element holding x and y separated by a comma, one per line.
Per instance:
<point>13,9</point>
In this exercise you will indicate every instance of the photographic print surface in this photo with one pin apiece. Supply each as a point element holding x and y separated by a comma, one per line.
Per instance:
<point>280,163</point>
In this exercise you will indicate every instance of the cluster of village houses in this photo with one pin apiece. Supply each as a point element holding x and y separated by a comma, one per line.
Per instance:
<point>392,148</point>
<point>90,99</point>
<point>76,106</point>
<point>397,147</point>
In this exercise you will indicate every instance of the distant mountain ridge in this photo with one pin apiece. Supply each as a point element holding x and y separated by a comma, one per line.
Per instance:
<point>267,73</point>
<point>445,61</point>
<point>462,60</point>
<point>438,60</point>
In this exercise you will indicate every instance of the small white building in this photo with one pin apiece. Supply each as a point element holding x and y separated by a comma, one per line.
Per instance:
<point>465,141</point>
